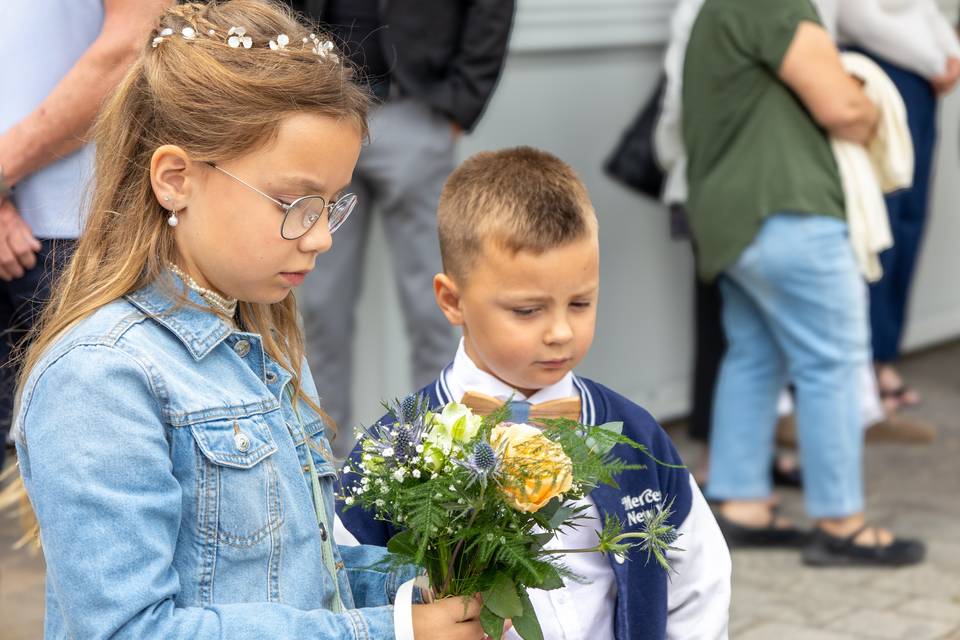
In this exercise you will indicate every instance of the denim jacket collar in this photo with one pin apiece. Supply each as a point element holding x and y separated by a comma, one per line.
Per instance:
<point>199,329</point>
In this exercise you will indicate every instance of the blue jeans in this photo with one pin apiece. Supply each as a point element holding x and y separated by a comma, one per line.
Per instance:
<point>21,301</point>
<point>907,209</point>
<point>794,308</point>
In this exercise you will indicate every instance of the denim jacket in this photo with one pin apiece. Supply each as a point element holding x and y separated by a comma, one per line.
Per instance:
<point>168,472</point>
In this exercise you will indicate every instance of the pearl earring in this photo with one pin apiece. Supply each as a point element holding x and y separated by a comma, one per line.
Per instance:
<point>173,220</point>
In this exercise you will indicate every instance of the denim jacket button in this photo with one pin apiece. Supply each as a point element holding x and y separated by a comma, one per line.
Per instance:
<point>271,377</point>
<point>242,347</point>
<point>242,441</point>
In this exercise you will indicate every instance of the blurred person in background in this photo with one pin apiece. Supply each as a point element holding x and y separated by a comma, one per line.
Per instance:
<point>883,423</point>
<point>916,45</point>
<point>433,65</point>
<point>57,64</point>
<point>763,87</point>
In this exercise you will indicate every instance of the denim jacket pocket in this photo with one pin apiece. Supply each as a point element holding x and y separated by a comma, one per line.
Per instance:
<point>239,486</point>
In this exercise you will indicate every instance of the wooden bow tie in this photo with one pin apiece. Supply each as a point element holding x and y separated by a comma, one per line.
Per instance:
<point>522,411</point>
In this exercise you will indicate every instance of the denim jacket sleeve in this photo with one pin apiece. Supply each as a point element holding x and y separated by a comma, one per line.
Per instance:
<point>374,579</point>
<point>96,463</point>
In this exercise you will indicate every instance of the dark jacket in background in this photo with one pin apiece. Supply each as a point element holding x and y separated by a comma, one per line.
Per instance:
<point>448,53</point>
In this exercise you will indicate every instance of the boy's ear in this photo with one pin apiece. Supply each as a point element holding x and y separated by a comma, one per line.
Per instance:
<point>447,293</point>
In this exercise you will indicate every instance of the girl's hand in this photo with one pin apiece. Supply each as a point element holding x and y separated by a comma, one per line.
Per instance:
<point>448,619</point>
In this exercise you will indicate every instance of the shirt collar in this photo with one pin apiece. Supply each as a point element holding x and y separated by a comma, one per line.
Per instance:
<point>464,375</point>
<point>199,329</point>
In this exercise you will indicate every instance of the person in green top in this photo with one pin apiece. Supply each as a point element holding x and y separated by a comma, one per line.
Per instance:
<point>763,90</point>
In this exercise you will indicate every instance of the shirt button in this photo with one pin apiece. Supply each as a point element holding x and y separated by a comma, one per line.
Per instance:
<point>242,347</point>
<point>242,441</point>
<point>271,377</point>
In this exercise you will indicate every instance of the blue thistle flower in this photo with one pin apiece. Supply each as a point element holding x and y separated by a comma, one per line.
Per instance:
<point>484,456</point>
<point>482,464</point>
<point>669,537</point>
<point>405,433</point>
<point>408,409</point>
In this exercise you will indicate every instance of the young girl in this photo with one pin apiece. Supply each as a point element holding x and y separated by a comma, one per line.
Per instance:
<point>168,430</point>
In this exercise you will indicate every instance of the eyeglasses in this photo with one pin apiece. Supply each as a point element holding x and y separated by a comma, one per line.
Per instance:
<point>300,215</point>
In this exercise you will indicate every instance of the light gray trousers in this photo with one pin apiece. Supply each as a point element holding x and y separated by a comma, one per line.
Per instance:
<point>399,175</point>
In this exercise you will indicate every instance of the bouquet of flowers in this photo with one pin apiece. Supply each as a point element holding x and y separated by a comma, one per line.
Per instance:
<point>476,499</point>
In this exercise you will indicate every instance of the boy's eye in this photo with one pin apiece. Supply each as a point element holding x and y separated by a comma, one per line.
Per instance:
<point>581,305</point>
<point>524,311</point>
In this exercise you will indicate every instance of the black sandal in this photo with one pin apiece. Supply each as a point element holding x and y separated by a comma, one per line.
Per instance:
<point>826,550</point>
<point>792,478</point>
<point>768,537</point>
<point>899,395</point>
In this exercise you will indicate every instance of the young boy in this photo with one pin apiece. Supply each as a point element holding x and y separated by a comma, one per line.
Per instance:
<point>521,260</point>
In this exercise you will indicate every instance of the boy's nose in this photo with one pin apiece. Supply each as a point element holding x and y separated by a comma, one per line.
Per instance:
<point>560,331</point>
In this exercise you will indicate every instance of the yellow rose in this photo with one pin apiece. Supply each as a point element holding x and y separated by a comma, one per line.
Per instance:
<point>535,469</point>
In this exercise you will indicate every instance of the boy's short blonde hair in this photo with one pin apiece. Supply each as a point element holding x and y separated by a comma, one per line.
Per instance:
<point>522,198</point>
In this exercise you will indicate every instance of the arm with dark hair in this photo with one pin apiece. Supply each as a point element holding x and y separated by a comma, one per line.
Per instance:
<point>59,124</point>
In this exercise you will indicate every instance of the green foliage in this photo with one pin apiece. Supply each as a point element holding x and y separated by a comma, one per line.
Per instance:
<point>527,624</point>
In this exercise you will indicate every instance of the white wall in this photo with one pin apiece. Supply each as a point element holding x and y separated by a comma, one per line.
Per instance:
<point>576,74</point>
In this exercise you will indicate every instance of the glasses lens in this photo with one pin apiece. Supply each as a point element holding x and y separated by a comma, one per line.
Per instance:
<point>341,210</point>
<point>302,216</point>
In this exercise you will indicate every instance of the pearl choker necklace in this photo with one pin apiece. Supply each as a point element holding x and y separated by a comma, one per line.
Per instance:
<point>226,306</point>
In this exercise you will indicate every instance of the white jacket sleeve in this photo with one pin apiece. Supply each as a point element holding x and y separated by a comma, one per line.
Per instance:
<point>698,596</point>
<point>944,32</point>
<point>902,35</point>
<point>668,135</point>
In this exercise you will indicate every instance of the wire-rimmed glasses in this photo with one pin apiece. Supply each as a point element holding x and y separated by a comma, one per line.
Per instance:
<point>300,215</point>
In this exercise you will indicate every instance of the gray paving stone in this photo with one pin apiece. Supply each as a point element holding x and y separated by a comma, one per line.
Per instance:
<point>779,631</point>
<point>935,609</point>
<point>921,580</point>
<point>890,625</point>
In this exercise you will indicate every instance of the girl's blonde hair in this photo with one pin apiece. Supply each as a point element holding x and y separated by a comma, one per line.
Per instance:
<point>194,88</point>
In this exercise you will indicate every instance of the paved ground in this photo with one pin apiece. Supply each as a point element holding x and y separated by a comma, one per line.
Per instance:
<point>914,490</point>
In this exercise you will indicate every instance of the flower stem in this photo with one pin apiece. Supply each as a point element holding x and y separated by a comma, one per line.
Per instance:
<point>456,550</point>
